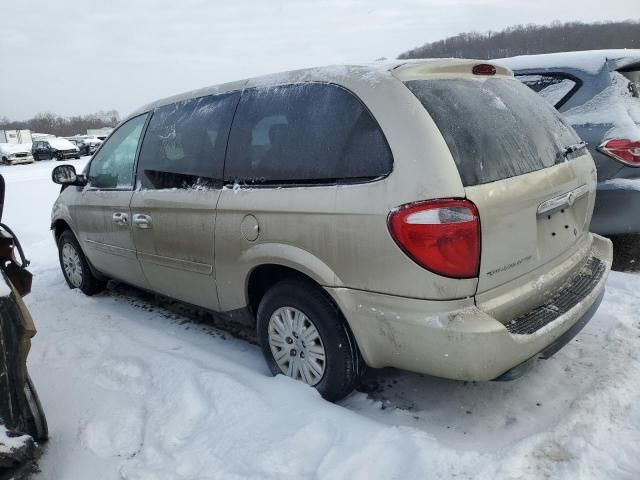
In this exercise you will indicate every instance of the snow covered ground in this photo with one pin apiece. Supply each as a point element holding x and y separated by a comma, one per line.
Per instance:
<point>136,390</point>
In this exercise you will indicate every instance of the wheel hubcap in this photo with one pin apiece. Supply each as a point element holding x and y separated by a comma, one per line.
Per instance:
<point>296,345</point>
<point>72,264</point>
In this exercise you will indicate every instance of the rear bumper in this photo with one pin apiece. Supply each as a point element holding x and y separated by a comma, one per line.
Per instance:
<point>551,349</point>
<point>617,208</point>
<point>456,339</point>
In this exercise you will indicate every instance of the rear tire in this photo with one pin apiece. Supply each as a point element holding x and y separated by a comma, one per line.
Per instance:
<point>295,322</point>
<point>75,266</point>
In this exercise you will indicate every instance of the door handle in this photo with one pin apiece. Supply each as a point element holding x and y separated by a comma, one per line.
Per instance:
<point>120,218</point>
<point>141,220</point>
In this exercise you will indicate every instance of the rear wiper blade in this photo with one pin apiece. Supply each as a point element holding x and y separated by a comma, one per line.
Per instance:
<point>573,148</point>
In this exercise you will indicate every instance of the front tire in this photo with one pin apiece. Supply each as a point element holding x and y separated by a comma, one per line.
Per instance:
<point>303,336</point>
<point>75,266</point>
<point>38,427</point>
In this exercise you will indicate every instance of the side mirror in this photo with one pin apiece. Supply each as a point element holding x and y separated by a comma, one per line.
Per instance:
<point>66,175</point>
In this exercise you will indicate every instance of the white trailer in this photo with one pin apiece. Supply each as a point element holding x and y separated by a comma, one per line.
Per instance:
<point>15,136</point>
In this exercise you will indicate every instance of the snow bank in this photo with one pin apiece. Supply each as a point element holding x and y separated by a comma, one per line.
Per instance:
<point>136,391</point>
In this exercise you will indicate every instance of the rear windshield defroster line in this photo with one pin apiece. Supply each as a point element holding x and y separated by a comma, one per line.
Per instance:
<point>495,128</point>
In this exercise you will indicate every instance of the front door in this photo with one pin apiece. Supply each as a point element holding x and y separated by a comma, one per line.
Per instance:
<point>45,151</point>
<point>179,177</point>
<point>103,212</point>
<point>35,150</point>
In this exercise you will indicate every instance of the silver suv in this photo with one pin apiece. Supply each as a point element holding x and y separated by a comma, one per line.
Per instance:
<point>430,216</point>
<point>598,94</point>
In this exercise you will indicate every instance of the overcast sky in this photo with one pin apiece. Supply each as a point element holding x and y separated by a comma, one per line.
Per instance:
<point>80,56</point>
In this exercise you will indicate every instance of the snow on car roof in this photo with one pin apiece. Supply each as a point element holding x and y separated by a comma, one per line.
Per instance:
<point>590,61</point>
<point>61,143</point>
<point>371,73</point>
<point>614,106</point>
<point>15,147</point>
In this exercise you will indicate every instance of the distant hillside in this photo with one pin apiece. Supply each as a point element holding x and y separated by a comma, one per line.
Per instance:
<point>63,126</point>
<point>532,39</point>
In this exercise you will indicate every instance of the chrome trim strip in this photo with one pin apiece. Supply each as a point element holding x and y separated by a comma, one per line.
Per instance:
<point>561,201</point>
<point>111,249</point>
<point>201,268</point>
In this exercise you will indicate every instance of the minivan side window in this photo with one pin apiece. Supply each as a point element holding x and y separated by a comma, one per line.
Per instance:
<point>185,143</point>
<point>112,166</point>
<point>307,133</point>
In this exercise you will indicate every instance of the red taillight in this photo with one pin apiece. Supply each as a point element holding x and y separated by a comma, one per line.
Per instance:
<point>483,69</point>
<point>626,151</point>
<point>442,236</point>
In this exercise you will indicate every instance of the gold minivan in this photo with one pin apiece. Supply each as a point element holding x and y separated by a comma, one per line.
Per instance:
<point>431,216</point>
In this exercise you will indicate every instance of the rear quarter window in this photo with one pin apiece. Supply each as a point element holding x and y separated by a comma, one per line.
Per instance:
<point>304,134</point>
<point>495,128</point>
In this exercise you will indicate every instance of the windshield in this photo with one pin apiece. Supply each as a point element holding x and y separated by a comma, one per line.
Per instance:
<point>495,128</point>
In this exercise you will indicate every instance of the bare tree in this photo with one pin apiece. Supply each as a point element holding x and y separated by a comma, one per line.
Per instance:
<point>532,39</point>
<point>48,122</point>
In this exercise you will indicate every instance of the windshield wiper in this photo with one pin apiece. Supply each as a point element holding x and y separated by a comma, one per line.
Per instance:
<point>573,148</point>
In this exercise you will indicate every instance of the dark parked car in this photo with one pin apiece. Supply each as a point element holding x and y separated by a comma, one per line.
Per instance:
<point>85,146</point>
<point>54,148</point>
<point>598,93</point>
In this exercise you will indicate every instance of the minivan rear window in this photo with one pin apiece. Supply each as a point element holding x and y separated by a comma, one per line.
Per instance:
<point>495,128</point>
